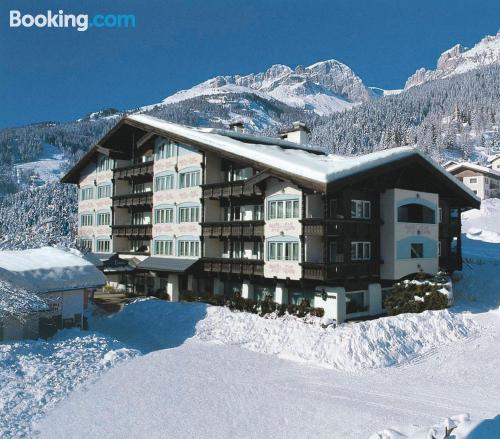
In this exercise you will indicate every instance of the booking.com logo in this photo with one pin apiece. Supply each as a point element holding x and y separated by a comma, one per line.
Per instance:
<point>80,22</point>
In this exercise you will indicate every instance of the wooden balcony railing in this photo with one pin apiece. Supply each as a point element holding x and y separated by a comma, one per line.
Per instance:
<point>144,199</point>
<point>339,227</point>
<point>230,189</point>
<point>128,231</point>
<point>234,266</point>
<point>332,271</point>
<point>237,229</point>
<point>137,170</point>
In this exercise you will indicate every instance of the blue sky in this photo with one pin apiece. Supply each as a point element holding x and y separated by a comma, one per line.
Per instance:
<point>62,74</point>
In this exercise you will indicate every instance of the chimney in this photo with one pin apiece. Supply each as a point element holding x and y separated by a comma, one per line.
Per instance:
<point>299,133</point>
<point>236,126</point>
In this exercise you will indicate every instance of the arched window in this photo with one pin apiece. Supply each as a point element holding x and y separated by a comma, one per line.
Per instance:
<point>416,213</point>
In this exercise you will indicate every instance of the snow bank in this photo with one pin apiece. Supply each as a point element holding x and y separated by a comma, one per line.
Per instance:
<point>372,344</point>
<point>482,224</point>
<point>154,324</point>
<point>460,426</point>
<point>34,375</point>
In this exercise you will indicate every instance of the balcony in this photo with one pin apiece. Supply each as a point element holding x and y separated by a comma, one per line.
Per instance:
<point>339,227</point>
<point>138,170</point>
<point>230,189</point>
<point>133,231</point>
<point>334,271</point>
<point>143,199</point>
<point>233,229</point>
<point>245,267</point>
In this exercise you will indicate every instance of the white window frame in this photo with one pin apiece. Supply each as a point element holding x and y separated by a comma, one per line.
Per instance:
<point>361,209</point>
<point>86,219</point>
<point>283,251</point>
<point>189,214</point>
<point>361,250</point>
<point>164,215</point>
<point>86,243</point>
<point>103,215</point>
<point>106,188</point>
<point>164,182</point>
<point>283,209</point>
<point>189,179</point>
<point>103,242</point>
<point>189,248</point>
<point>165,150</point>
<point>87,193</point>
<point>163,247</point>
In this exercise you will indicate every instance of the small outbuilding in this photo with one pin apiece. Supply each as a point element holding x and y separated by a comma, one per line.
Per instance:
<point>44,289</point>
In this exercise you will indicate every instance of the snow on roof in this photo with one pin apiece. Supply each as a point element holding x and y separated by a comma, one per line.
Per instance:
<point>474,167</point>
<point>48,269</point>
<point>19,301</point>
<point>493,158</point>
<point>299,162</point>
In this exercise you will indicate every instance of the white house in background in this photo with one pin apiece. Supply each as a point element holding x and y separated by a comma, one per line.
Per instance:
<point>483,181</point>
<point>494,162</point>
<point>62,279</point>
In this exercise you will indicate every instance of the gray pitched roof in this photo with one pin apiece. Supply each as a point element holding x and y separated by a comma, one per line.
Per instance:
<point>174,265</point>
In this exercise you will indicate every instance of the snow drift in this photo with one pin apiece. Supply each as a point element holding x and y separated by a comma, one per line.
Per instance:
<point>154,324</point>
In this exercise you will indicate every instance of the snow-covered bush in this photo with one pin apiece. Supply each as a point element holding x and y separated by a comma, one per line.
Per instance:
<point>415,296</point>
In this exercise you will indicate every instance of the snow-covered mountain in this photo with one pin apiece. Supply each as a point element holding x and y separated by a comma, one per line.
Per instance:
<point>323,88</point>
<point>460,59</point>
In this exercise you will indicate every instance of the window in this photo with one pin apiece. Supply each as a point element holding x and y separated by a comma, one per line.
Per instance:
<point>232,213</point>
<point>283,209</point>
<point>86,194</point>
<point>416,213</point>
<point>361,251</point>
<point>242,174</point>
<point>165,150</point>
<point>103,245</point>
<point>454,213</point>
<point>336,255</point>
<point>189,214</point>
<point>140,218</point>
<point>439,248</point>
<point>104,164</point>
<point>355,302</point>
<point>164,216</point>
<point>139,245</point>
<point>258,249</point>
<point>86,244</point>
<point>416,251</point>
<point>139,188</point>
<point>86,219</point>
<point>258,212</point>
<point>104,191</point>
<point>473,180</point>
<point>440,211</point>
<point>104,219</point>
<point>237,249</point>
<point>163,247</point>
<point>361,209</point>
<point>164,182</point>
<point>283,251</point>
<point>189,248</point>
<point>189,179</point>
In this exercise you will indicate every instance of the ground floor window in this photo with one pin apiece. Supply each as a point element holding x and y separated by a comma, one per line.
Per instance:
<point>189,248</point>
<point>86,244</point>
<point>163,247</point>
<point>103,246</point>
<point>355,302</point>
<point>416,250</point>
<point>262,292</point>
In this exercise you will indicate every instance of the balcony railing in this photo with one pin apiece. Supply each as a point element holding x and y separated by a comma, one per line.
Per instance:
<point>236,229</point>
<point>230,189</point>
<point>137,230</point>
<point>234,266</point>
<point>338,227</point>
<point>137,170</point>
<point>332,271</point>
<point>144,199</point>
